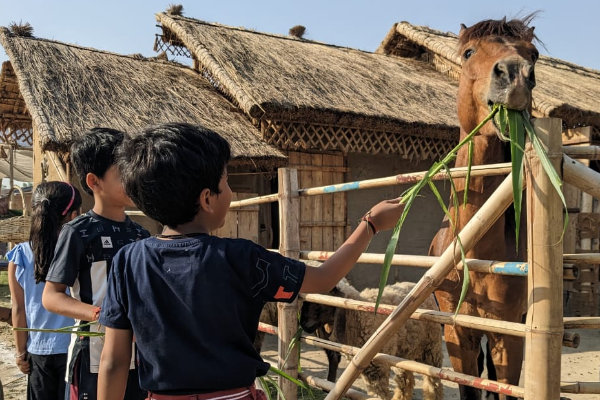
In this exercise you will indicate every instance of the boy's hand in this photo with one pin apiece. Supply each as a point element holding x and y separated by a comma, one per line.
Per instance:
<point>384,215</point>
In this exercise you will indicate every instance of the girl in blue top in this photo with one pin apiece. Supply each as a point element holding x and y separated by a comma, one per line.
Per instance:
<point>41,355</point>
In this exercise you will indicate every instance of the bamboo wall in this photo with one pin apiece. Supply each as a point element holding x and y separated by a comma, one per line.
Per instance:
<point>421,224</point>
<point>323,219</point>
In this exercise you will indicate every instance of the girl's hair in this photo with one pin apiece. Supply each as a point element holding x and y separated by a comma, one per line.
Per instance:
<point>51,203</point>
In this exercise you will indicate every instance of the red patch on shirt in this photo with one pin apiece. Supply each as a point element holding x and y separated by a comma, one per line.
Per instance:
<point>282,294</point>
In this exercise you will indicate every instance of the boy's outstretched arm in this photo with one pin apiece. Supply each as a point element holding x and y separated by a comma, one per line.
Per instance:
<point>382,216</point>
<point>114,364</point>
<point>55,299</point>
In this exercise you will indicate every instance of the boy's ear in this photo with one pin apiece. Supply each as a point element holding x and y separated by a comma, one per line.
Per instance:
<point>205,200</point>
<point>92,181</point>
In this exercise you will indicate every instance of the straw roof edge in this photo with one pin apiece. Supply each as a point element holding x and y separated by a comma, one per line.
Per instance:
<point>206,59</point>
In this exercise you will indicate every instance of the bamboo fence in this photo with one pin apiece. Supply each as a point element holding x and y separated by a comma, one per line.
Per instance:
<point>545,328</point>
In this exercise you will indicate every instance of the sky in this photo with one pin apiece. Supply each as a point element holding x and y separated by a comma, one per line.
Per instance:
<point>569,30</point>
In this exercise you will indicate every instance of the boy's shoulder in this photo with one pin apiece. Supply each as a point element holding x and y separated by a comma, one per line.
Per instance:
<point>81,220</point>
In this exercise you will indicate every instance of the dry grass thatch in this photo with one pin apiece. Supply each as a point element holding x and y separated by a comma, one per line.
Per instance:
<point>297,31</point>
<point>174,9</point>
<point>564,90</point>
<point>68,89</point>
<point>21,29</point>
<point>278,77</point>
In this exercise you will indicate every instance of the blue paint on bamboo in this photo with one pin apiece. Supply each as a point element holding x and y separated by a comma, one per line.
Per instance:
<point>510,268</point>
<point>341,188</point>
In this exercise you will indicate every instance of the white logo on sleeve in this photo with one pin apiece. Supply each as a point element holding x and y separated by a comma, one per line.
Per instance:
<point>106,242</point>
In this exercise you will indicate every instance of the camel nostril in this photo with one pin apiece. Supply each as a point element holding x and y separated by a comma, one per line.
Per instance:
<point>500,69</point>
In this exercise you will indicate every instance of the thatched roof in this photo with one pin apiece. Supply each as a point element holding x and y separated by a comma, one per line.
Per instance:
<point>67,89</point>
<point>564,90</point>
<point>283,77</point>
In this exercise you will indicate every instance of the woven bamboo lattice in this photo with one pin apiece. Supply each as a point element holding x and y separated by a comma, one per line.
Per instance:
<point>299,136</point>
<point>16,229</point>
<point>171,45</point>
<point>21,134</point>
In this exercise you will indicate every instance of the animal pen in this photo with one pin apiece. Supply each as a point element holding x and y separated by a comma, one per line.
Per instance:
<point>545,330</point>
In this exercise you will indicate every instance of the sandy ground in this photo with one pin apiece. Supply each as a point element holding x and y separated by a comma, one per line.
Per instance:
<point>582,364</point>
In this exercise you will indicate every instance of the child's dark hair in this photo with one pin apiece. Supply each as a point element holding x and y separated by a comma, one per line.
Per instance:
<point>94,152</point>
<point>165,168</point>
<point>51,203</point>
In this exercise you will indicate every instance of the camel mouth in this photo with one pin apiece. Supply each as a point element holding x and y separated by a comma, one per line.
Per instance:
<point>496,122</point>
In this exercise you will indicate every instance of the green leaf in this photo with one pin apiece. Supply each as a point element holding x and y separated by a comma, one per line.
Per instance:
<point>502,123</point>
<point>288,377</point>
<point>517,144</point>
<point>468,177</point>
<point>410,196</point>
<point>466,276</point>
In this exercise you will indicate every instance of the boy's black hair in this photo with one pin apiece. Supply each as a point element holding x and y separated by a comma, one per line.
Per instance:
<point>165,167</point>
<point>51,203</point>
<point>94,152</point>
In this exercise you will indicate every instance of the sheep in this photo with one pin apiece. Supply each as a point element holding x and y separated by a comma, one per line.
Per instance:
<point>416,340</point>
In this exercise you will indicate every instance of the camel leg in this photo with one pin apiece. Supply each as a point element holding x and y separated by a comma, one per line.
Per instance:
<point>463,349</point>
<point>507,355</point>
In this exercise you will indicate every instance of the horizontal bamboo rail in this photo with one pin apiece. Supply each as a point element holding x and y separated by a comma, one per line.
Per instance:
<point>582,152</point>
<point>582,322</point>
<point>478,170</point>
<point>448,374</point>
<point>408,178</point>
<point>570,339</point>
<point>580,176</point>
<point>420,368</point>
<point>566,387</point>
<point>475,265</point>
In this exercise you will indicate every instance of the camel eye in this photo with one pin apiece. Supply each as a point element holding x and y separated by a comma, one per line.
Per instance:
<point>468,53</point>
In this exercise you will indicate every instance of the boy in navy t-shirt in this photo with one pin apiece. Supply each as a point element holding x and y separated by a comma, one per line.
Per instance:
<point>193,300</point>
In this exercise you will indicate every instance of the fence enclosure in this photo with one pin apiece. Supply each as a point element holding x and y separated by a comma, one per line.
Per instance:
<point>545,327</point>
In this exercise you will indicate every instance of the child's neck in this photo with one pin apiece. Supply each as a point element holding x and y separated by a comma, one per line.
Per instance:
<point>113,213</point>
<point>186,229</point>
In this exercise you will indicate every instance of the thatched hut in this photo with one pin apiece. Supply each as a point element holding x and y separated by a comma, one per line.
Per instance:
<point>341,114</point>
<point>55,91</point>
<point>564,90</point>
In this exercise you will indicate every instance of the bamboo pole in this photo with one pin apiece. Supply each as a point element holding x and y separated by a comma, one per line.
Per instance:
<point>471,233</point>
<point>289,217</point>
<point>582,322</point>
<point>580,176</point>
<point>544,314</point>
<point>582,152</point>
<point>514,268</point>
<point>408,178</point>
<point>570,339</point>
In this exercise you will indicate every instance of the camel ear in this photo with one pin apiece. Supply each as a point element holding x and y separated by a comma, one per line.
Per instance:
<point>462,27</point>
<point>530,33</point>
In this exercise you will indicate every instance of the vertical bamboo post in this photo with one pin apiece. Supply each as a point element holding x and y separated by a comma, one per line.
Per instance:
<point>481,222</point>
<point>289,246</point>
<point>11,184</point>
<point>544,329</point>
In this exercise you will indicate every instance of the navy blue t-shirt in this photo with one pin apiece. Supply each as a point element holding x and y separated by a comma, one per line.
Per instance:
<point>193,305</point>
